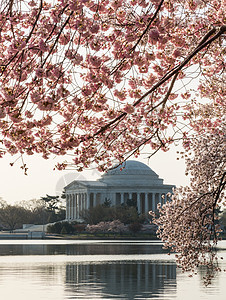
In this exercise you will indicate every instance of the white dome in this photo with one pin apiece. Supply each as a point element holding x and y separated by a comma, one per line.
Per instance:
<point>131,167</point>
<point>131,172</point>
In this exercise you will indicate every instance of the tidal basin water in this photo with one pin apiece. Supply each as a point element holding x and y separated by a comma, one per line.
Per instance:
<point>59,270</point>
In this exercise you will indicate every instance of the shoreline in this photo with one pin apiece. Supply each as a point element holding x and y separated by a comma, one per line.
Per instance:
<point>82,236</point>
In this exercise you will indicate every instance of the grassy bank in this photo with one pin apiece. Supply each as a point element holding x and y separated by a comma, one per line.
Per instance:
<point>98,236</point>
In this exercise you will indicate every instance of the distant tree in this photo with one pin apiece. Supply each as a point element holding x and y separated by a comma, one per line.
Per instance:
<point>55,228</point>
<point>52,209</point>
<point>51,202</point>
<point>107,202</point>
<point>63,230</point>
<point>126,214</point>
<point>131,202</point>
<point>63,195</point>
<point>135,227</point>
<point>13,216</point>
<point>78,228</point>
<point>61,227</point>
<point>40,214</point>
<point>103,213</point>
<point>96,214</point>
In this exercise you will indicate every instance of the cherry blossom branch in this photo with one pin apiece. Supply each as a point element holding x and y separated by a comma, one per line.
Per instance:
<point>55,25</point>
<point>163,102</point>
<point>57,38</point>
<point>10,6</point>
<point>29,36</point>
<point>36,21</point>
<point>148,26</point>
<point>220,188</point>
<point>138,147</point>
<point>140,38</point>
<point>217,192</point>
<point>204,42</point>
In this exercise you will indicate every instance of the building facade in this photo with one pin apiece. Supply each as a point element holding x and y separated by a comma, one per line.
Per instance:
<point>131,181</point>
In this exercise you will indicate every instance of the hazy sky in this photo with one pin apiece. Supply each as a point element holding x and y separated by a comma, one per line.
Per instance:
<point>42,179</point>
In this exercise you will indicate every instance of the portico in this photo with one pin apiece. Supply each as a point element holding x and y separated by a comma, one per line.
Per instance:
<point>136,181</point>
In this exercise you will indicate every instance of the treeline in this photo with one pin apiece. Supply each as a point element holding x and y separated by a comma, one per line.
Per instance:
<point>103,228</point>
<point>125,213</point>
<point>37,211</point>
<point>106,219</point>
<point>101,218</point>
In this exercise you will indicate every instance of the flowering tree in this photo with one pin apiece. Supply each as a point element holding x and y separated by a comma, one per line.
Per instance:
<point>96,78</point>
<point>100,227</point>
<point>101,79</point>
<point>115,226</point>
<point>189,223</point>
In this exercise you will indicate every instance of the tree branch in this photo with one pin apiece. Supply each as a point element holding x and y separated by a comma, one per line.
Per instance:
<point>203,43</point>
<point>36,21</point>
<point>148,26</point>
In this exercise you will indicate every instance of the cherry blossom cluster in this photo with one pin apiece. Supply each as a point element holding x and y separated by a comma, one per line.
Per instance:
<point>100,79</point>
<point>188,224</point>
<point>115,226</point>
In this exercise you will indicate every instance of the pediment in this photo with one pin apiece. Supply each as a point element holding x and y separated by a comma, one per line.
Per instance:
<point>74,185</point>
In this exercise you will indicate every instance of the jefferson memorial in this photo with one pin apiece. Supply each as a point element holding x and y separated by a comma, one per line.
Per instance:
<point>132,180</point>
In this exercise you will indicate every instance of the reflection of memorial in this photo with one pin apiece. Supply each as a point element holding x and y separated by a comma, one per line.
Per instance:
<point>81,249</point>
<point>124,279</point>
<point>116,249</point>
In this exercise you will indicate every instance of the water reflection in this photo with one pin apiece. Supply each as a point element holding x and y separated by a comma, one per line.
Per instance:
<point>62,270</point>
<point>80,249</point>
<point>122,279</point>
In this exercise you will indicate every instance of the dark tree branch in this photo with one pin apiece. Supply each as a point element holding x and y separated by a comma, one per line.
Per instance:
<point>148,26</point>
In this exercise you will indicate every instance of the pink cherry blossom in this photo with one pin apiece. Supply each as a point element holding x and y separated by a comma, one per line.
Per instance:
<point>129,109</point>
<point>42,46</point>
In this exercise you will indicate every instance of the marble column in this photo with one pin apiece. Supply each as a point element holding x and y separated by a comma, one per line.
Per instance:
<point>94,199</point>
<point>87,200</point>
<point>153,202</point>
<point>139,203</point>
<point>73,206</point>
<point>79,205</point>
<point>76,205</point>
<point>69,206</point>
<point>121,198</point>
<point>146,203</point>
<point>83,201</point>
<point>66,207</point>
<point>113,198</point>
